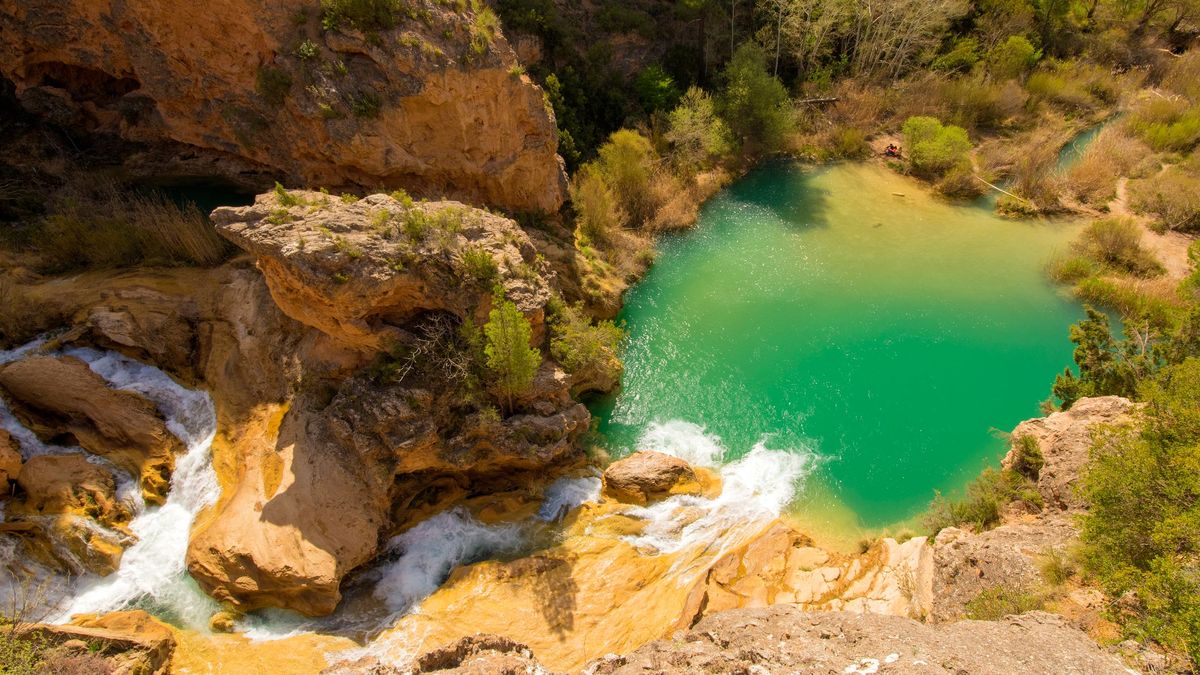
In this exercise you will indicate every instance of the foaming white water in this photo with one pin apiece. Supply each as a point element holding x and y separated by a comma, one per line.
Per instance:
<point>429,551</point>
<point>755,488</point>
<point>565,494</point>
<point>684,440</point>
<point>152,573</point>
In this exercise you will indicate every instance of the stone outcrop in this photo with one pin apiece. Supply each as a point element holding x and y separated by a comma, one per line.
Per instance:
<point>61,397</point>
<point>1009,557</point>
<point>433,103</point>
<point>1065,439</point>
<point>786,639</point>
<point>649,476</point>
<point>130,642</point>
<point>10,461</point>
<point>360,271</point>
<point>472,655</point>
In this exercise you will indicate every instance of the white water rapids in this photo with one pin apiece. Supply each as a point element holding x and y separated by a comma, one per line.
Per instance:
<point>152,574</point>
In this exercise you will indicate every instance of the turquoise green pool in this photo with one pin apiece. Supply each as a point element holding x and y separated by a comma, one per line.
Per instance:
<point>844,311</point>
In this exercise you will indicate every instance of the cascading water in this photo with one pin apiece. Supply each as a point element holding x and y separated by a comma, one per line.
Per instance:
<point>755,488</point>
<point>152,573</point>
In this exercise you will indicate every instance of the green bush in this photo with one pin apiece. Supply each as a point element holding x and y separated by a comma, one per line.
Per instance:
<point>1117,243</point>
<point>1027,457</point>
<point>1172,196</point>
<point>980,506</point>
<point>850,143</point>
<point>512,363</point>
<point>961,58</point>
<point>698,136</point>
<point>1012,58</point>
<point>998,602</point>
<point>1140,534</point>
<point>934,149</point>
<point>1068,269</point>
<point>625,163</point>
<point>273,84</point>
<point>479,267</point>
<point>597,214</point>
<point>655,89</point>
<point>1167,125</point>
<point>582,347</point>
<point>363,15</point>
<point>755,104</point>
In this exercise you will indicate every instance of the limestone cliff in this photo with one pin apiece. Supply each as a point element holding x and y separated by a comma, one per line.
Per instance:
<point>429,99</point>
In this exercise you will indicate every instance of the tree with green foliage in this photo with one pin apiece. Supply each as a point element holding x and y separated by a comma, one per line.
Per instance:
<point>510,359</point>
<point>755,104</point>
<point>1012,58</point>
<point>1141,534</point>
<point>597,213</point>
<point>1105,365</point>
<point>584,348</point>
<point>625,162</point>
<point>655,89</point>
<point>933,148</point>
<point>697,135</point>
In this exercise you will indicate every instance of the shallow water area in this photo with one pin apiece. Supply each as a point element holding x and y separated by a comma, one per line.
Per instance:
<point>846,315</point>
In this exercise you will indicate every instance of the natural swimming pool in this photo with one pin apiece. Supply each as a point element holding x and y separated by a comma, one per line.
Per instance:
<point>846,313</point>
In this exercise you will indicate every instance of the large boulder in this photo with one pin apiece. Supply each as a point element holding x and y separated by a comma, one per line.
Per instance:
<point>649,476</point>
<point>244,89</point>
<point>358,271</point>
<point>1065,441</point>
<point>60,397</point>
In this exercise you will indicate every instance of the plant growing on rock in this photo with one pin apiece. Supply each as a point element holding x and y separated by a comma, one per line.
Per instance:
<point>273,84</point>
<point>582,347</point>
<point>478,266</point>
<point>511,362</point>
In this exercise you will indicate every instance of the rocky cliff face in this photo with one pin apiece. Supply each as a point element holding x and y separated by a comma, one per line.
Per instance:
<point>429,99</point>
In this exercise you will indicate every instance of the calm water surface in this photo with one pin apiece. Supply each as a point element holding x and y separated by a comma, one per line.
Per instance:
<point>845,312</point>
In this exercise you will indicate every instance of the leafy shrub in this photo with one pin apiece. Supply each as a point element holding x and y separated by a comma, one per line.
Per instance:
<point>366,104</point>
<point>933,148</point>
<point>1167,124</point>
<point>363,15</point>
<point>1027,457</point>
<point>1139,534</point>
<point>960,58</point>
<point>1059,90</point>
<point>655,88</point>
<point>850,143</point>
<point>485,25</point>
<point>416,224</point>
<point>998,602</point>
<point>509,358</point>
<point>273,84</point>
<point>597,213</point>
<point>1117,243</point>
<point>625,163</point>
<point>307,50</point>
<point>1012,58</point>
<point>1172,196</point>
<point>1067,269</point>
<point>960,182</point>
<point>754,103</point>
<point>582,347</point>
<point>698,136</point>
<point>981,505</point>
<point>479,267</point>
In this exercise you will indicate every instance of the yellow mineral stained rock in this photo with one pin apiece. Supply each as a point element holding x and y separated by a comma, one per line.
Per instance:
<point>10,461</point>
<point>58,396</point>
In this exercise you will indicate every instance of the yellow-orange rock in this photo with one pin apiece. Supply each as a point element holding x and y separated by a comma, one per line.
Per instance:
<point>432,103</point>
<point>61,396</point>
<point>10,461</point>
<point>649,476</point>
<point>71,484</point>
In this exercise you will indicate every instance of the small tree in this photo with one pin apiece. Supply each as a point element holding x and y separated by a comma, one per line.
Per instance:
<point>1012,58</point>
<point>1105,365</point>
<point>625,162</point>
<point>696,134</point>
<point>755,104</point>
<point>597,213</point>
<point>510,359</point>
